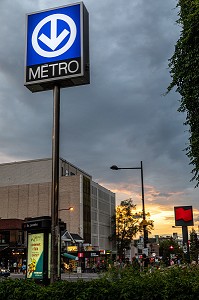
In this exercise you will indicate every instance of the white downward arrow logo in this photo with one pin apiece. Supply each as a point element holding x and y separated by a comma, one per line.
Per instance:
<point>54,40</point>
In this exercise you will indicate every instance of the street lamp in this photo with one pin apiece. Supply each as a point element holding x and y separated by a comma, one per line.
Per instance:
<point>70,208</point>
<point>144,222</point>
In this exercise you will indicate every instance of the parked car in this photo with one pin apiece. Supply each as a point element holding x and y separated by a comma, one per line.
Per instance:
<point>4,272</point>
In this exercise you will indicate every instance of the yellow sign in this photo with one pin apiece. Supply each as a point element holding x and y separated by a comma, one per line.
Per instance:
<point>72,249</point>
<point>88,248</point>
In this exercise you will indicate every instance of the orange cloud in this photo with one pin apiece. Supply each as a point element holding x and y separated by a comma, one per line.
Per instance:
<point>160,205</point>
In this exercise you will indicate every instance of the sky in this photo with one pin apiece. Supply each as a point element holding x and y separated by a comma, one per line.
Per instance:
<point>121,118</point>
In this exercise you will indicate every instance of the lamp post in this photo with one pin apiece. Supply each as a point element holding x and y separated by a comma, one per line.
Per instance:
<point>144,222</point>
<point>70,208</point>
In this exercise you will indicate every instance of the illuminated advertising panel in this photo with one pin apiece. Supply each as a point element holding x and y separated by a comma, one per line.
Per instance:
<point>72,249</point>
<point>183,216</point>
<point>57,50</point>
<point>35,259</point>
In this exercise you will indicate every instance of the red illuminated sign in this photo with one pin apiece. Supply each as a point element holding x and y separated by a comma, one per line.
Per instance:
<point>80,254</point>
<point>183,216</point>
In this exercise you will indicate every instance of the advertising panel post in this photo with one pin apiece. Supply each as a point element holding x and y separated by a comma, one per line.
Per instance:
<point>39,248</point>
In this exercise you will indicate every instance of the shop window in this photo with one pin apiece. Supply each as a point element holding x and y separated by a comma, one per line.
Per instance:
<point>20,238</point>
<point>4,237</point>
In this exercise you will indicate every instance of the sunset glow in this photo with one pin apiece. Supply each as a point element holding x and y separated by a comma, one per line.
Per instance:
<point>159,205</point>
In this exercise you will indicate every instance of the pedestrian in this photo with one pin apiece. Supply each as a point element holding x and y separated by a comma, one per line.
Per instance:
<point>121,264</point>
<point>15,267</point>
<point>145,262</point>
<point>171,262</point>
<point>70,267</point>
<point>23,268</point>
<point>135,264</point>
<point>19,267</point>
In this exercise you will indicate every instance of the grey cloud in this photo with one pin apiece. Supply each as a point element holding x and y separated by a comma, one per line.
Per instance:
<point>162,195</point>
<point>121,117</point>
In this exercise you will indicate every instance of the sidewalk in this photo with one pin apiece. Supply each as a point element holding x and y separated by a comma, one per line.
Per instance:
<point>80,276</point>
<point>17,275</point>
<point>65,276</point>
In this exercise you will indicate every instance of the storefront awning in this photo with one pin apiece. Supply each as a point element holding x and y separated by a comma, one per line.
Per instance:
<point>75,238</point>
<point>70,256</point>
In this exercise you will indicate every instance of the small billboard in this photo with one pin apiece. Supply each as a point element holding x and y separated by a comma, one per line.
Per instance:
<point>183,215</point>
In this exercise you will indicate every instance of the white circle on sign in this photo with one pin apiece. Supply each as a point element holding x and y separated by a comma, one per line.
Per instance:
<point>54,41</point>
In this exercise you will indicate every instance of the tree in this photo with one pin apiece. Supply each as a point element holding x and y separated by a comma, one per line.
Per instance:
<point>169,246</point>
<point>127,224</point>
<point>184,70</point>
<point>194,246</point>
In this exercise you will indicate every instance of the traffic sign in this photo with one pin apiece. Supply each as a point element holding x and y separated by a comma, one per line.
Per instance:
<point>184,248</point>
<point>140,245</point>
<point>57,48</point>
<point>145,251</point>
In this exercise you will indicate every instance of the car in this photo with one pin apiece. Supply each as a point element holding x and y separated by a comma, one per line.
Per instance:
<point>4,272</point>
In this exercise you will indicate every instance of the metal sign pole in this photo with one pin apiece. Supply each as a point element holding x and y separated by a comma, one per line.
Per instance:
<point>49,65</point>
<point>143,209</point>
<point>185,243</point>
<point>55,185</point>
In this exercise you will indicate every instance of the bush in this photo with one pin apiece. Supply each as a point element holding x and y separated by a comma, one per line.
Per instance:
<point>20,289</point>
<point>172,283</point>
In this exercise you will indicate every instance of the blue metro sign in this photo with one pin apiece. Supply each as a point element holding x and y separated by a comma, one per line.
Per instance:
<point>57,49</point>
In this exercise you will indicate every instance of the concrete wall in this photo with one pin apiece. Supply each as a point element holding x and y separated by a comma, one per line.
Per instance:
<point>25,191</point>
<point>26,172</point>
<point>34,171</point>
<point>34,200</point>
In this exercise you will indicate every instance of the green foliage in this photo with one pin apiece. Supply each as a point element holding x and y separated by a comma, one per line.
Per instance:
<point>184,70</point>
<point>127,224</point>
<point>165,249</point>
<point>194,246</point>
<point>20,289</point>
<point>170,283</point>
